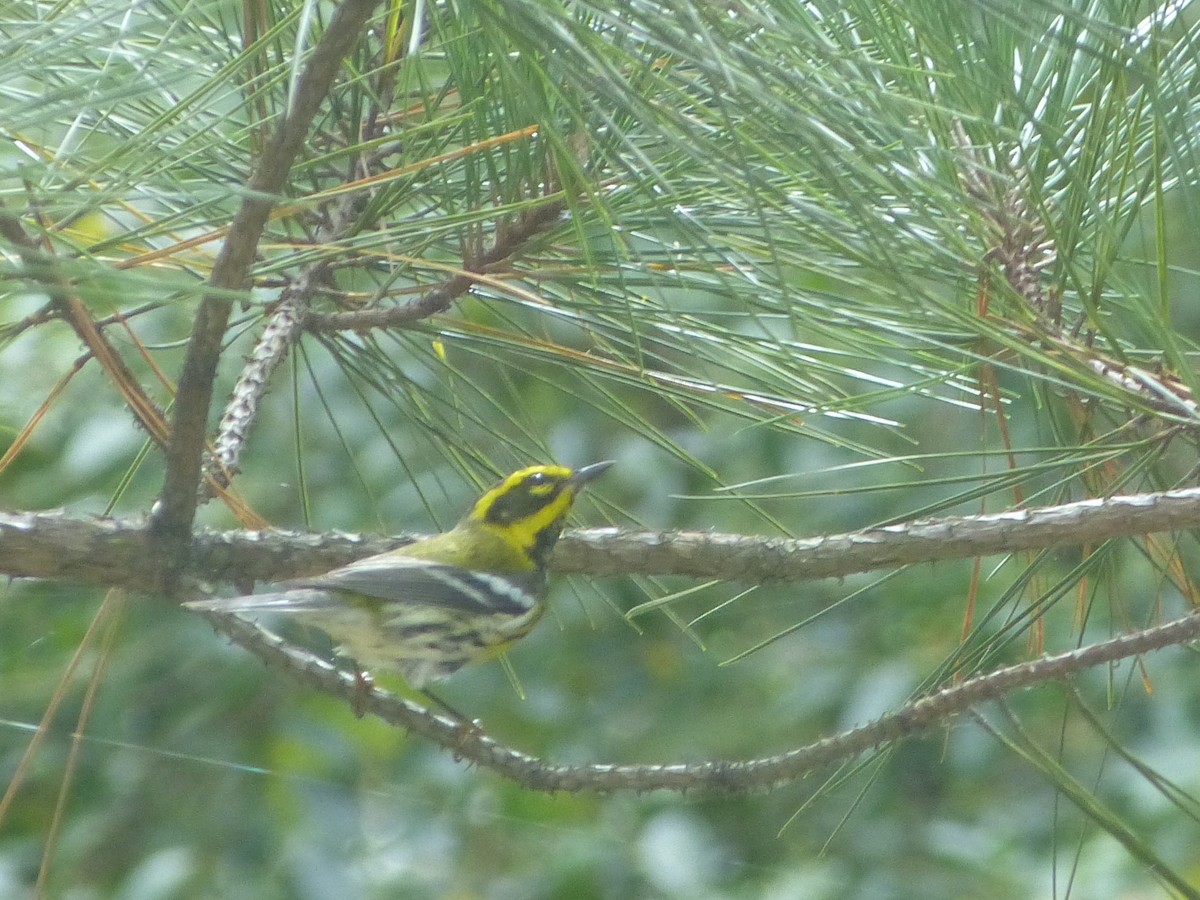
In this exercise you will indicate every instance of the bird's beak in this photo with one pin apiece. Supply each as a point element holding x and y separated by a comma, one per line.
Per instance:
<point>583,475</point>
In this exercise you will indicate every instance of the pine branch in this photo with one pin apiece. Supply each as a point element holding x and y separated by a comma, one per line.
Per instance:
<point>281,332</point>
<point>469,742</point>
<point>111,552</point>
<point>177,505</point>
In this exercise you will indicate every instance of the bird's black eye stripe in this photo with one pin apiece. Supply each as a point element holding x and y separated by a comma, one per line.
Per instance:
<point>524,499</point>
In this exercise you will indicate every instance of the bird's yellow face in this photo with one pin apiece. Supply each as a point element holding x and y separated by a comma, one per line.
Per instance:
<point>531,504</point>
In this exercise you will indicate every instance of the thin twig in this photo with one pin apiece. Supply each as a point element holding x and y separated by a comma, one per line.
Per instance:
<point>44,268</point>
<point>508,244</point>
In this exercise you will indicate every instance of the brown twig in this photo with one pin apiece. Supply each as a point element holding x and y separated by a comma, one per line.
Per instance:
<point>43,267</point>
<point>508,244</point>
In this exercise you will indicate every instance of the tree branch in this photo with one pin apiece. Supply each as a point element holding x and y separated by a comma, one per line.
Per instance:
<point>231,273</point>
<point>111,552</point>
<point>281,332</point>
<point>468,742</point>
<point>759,560</point>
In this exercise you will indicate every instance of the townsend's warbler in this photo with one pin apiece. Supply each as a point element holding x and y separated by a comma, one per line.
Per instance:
<point>427,609</point>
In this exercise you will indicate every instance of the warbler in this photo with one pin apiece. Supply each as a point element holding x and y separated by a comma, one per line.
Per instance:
<point>427,609</point>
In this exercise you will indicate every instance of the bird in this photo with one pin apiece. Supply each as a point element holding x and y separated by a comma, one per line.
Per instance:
<point>427,609</point>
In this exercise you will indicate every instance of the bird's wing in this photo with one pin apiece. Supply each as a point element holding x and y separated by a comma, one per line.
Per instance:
<point>408,580</point>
